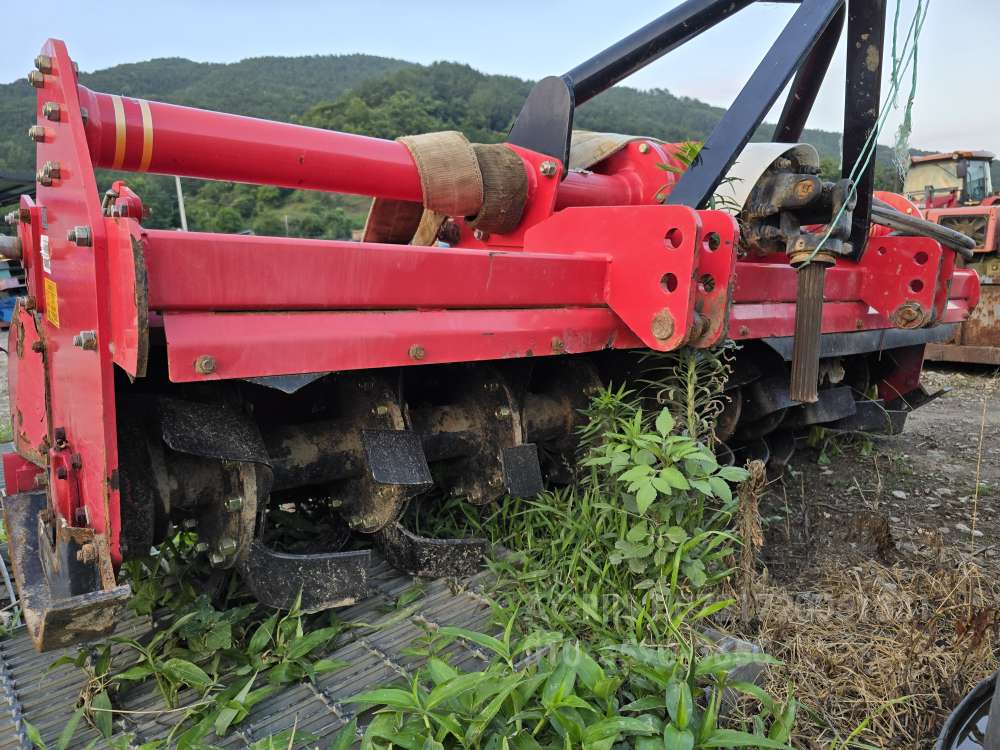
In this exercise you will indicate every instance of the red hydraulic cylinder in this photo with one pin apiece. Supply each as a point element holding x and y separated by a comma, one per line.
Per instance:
<point>136,135</point>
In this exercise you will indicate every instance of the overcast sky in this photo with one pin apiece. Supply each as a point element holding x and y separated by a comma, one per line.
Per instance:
<point>957,104</point>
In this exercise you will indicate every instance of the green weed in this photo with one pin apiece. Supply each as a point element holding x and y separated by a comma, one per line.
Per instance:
<point>572,696</point>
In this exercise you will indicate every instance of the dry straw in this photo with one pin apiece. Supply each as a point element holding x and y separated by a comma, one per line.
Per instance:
<point>866,636</point>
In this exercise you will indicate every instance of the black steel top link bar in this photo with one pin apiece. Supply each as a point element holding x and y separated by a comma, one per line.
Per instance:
<point>807,82</point>
<point>720,150</point>
<point>803,49</point>
<point>865,35</point>
<point>649,43</point>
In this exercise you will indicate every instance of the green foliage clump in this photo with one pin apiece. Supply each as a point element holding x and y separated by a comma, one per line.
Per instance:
<point>570,696</point>
<point>634,549</point>
<point>222,662</point>
<point>690,383</point>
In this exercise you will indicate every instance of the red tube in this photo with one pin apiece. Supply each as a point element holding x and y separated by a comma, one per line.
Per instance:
<point>592,189</point>
<point>142,136</point>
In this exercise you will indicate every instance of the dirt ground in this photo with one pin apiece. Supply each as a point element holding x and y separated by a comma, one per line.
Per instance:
<point>923,482</point>
<point>880,585</point>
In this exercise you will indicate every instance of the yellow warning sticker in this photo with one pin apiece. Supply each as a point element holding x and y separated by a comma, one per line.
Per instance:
<point>51,302</point>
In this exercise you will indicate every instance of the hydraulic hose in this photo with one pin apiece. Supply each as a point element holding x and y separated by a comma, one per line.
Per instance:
<point>883,213</point>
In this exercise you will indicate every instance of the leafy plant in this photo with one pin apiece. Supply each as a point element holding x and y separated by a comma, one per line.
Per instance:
<point>573,697</point>
<point>634,549</point>
<point>690,382</point>
<point>223,661</point>
<point>688,153</point>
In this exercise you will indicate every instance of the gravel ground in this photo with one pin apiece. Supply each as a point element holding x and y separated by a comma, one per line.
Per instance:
<point>923,483</point>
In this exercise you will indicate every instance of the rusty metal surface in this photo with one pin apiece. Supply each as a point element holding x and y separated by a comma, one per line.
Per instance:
<point>983,355</point>
<point>320,581</point>
<point>978,338</point>
<point>30,691</point>
<point>59,602</point>
<point>983,326</point>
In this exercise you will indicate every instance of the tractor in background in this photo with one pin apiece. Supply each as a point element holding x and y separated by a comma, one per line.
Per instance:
<point>955,190</point>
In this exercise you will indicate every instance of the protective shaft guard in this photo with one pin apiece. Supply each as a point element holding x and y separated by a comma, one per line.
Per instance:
<point>70,596</point>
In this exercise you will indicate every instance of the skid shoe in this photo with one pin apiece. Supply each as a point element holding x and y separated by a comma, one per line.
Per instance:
<point>66,584</point>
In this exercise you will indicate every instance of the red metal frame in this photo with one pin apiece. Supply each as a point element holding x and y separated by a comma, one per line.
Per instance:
<point>75,292</point>
<point>595,263</point>
<point>990,211</point>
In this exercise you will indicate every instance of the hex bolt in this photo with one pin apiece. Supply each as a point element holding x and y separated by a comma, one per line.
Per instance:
<point>80,236</point>
<point>381,410</point>
<point>11,218</point>
<point>52,169</point>
<point>558,345</point>
<point>36,79</point>
<point>744,330</point>
<point>502,413</point>
<point>43,63</point>
<point>643,148</point>
<point>76,461</point>
<point>548,168</point>
<point>42,179</point>
<point>491,387</point>
<point>51,111</point>
<point>61,472</point>
<point>24,215</point>
<point>201,547</point>
<point>189,523</point>
<point>234,504</point>
<point>205,364</point>
<point>36,133</point>
<point>60,435</point>
<point>480,235</point>
<point>227,546</point>
<point>86,340</point>
<point>417,352</point>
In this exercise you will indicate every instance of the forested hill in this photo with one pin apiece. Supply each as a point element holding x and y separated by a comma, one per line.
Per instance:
<point>278,88</point>
<point>355,93</point>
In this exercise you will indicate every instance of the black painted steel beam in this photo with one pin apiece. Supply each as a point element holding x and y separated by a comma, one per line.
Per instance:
<point>807,82</point>
<point>652,41</point>
<point>865,34</point>
<point>741,120</point>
